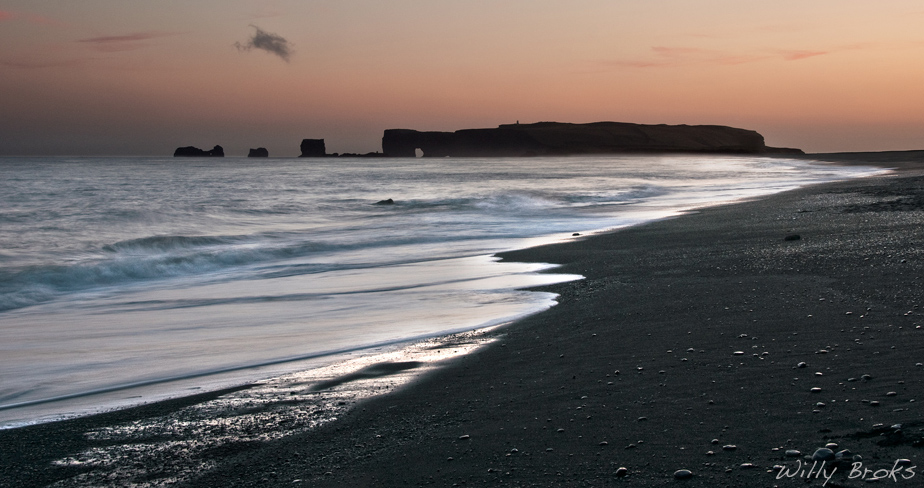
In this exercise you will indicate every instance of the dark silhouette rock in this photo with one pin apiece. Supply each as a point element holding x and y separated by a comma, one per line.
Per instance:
<point>563,139</point>
<point>792,237</point>
<point>385,202</point>
<point>191,151</point>
<point>313,148</point>
<point>259,152</point>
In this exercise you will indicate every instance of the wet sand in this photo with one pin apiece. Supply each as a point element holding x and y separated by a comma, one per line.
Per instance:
<point>707,342</point>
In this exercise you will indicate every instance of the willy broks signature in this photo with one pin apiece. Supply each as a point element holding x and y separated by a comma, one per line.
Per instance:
<point>901,470</point>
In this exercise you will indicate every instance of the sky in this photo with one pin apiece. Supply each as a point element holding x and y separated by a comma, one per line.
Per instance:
<point>116,77</point>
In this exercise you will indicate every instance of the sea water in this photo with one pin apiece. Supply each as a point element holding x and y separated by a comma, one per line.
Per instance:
<point>121,274</point>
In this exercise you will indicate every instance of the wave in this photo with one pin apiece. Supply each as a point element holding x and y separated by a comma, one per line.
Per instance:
<point>528,202</point>
<point>159,258</point>
<point>140,261</point>
<point>168,243</point>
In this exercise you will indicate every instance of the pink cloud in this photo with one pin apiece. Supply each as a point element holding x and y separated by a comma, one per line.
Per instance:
<point>6,15</point>
<point>127,42</point>
<point>675,52</point>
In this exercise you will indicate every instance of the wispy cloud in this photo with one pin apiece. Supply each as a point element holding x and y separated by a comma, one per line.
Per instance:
<point>668,56</point>
<point>127,42</point>
<point>265,12</point>
<point>30,18</point>
<point>38,64</point>
<point>266,41</point>
<point>797,55</point>
<point>42,20</point>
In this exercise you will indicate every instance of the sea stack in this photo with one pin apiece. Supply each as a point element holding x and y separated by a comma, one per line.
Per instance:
<point>313,148</point>
<point>195,152</point>
<point>259,152</point>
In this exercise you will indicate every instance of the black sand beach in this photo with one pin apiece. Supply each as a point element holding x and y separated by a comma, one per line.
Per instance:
<point>708,342</point>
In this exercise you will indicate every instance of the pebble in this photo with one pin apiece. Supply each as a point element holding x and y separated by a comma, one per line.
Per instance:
<point>683,474</point>
<point>891,393</point>
<point>748,466</point>
<point>793,453</point>
<point>802,365</point>
<point>823,454</point>
<point>464,437</point>
<point>729,447</point>
<point>845,454</point>
<point>874,403</point>
<point>816,390</point>
<point>620,472</point>
<point>738,353</point>
<point>866,377</point>
<point>831,445</point>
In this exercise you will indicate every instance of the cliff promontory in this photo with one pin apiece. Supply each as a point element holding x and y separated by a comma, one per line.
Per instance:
<point>563,139</point>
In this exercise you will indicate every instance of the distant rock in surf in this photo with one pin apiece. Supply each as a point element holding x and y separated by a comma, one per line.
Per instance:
<point>259,152</point>
<point>194,152</point>
<point>313,148</point>
<point>360,155</point>
<point>385,202</point>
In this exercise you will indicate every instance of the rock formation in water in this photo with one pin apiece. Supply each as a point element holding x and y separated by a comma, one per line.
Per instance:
<point>193,152</point>
<point>259,152</point>
<point>563,139</point>
<point>313,148</point>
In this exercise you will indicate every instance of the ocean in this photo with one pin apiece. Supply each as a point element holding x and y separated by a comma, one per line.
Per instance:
<point>129,280</point>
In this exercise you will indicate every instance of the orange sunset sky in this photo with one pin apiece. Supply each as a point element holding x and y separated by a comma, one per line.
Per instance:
<point>116,77</point>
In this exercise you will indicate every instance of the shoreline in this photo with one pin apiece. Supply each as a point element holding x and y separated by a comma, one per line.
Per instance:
<point>60,402</point>
<point>477,404</point>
